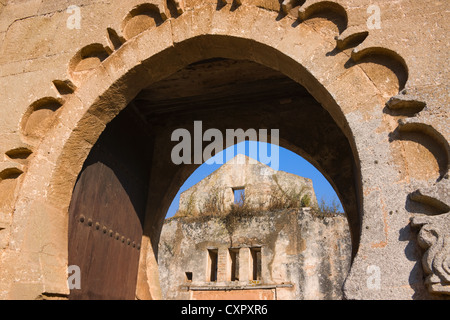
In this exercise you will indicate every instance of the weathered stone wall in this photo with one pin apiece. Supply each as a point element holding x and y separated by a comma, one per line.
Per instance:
<point>385,87</point>
<point>298,248</point>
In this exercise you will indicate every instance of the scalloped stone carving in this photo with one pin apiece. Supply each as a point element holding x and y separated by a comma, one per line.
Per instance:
<point>141,18</point>
<point>86,60</point>
<point>38,118</point>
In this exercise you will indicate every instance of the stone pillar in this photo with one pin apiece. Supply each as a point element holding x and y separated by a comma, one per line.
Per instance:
<point>222,264</point>
<point>244,265</point>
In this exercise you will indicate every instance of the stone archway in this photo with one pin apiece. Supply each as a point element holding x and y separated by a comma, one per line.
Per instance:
<point>226,94</point>
<point>107,80</point>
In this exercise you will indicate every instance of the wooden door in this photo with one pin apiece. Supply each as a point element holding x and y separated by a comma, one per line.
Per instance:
<point>107,212</point>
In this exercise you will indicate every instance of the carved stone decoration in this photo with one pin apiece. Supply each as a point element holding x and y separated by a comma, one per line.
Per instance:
<point>434,237</point>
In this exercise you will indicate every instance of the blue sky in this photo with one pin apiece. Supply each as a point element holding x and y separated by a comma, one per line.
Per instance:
<point>288,162</point>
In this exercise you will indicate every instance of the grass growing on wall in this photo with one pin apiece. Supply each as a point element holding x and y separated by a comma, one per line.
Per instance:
<point>280,199</point>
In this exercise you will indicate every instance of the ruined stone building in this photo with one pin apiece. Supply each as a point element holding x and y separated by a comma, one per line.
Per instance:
<point>245,180</point>
<point>91,93</point>
<point>256,249</point>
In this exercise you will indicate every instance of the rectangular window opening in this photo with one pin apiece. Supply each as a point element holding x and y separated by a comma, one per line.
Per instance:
<point>239,195</point>
<point>212,264</point>
<point>234,258</point>
<point>188,276</point>
<point>256,263</point>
